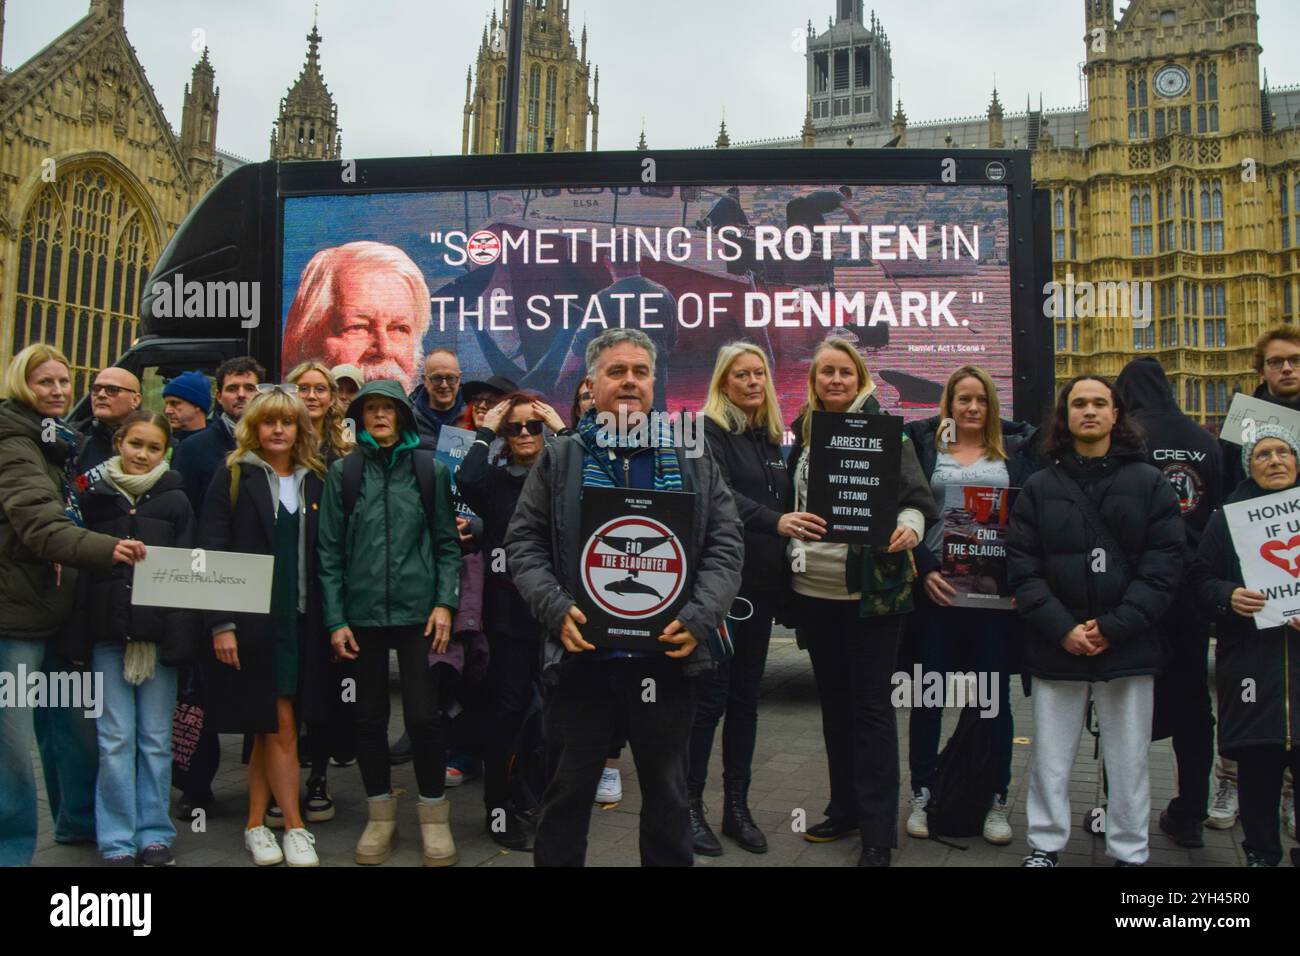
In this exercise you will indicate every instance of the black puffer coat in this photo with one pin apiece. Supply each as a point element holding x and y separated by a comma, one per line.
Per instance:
<point>161,517</point>
<point>759,479</point>
<point>1268,658</point>
<point>1052,549</point>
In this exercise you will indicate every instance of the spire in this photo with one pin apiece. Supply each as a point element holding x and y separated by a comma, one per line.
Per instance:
<point>808,135</point>
<point>641,142</point>
<point>995,107</point>
<point>468,85</point>
<point>723,140</point>
<point>308,120</point>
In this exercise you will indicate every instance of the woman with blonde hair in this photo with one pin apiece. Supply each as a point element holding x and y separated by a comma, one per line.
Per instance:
<point>43,543</point>
<point>852,603</point>
<point>967,443</point>
<point>744,431</point>
<point>318,391</point>
<point>265,499</point>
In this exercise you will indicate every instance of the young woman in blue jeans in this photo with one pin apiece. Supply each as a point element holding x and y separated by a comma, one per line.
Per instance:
<point>966,444</point>
<point>136,647</point>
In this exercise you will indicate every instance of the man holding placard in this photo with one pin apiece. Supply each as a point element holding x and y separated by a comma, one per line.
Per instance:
<point>652,692</point>
<point>1245,573</point>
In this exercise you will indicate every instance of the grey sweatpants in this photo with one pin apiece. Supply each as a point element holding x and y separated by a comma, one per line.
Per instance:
<point>1124,715</point>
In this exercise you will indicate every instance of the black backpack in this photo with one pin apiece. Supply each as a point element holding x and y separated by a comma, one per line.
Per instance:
<point>965,779</point>
<point>421,460</point>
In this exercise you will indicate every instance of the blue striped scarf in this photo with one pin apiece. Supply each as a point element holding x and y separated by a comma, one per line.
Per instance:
<point>668,472</point>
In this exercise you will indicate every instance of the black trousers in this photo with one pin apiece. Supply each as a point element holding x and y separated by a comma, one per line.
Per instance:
<point>1183,710</point>
<point>420,708</point>
<point>733,689</point>
<point>580,711</point>
<point>1259,792</point>
<point>853,662</point>
<point>513,667</point>
<point>336,735</point>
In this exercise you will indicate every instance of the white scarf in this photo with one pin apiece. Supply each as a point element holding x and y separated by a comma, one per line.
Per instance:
<point>140,657</point>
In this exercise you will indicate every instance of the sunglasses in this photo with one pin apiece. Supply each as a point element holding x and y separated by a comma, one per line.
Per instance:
<point>112,391</point>
<point>515,429</point>
<point>286,388</point>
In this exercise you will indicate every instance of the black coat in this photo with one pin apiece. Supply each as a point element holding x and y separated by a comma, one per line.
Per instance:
<point>492,491</point>
<point>200,456</point>
<point>1052,549</point>
<point>244,701</point>
<point>95,449</point>
<point>1269,658</point>
<point>1186,454</point>
<point>161,517</point>
<point>760,481</point>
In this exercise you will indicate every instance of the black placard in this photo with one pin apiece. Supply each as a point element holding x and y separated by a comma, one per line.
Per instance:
<point>974,556</point>
<point>853,475</point>
<point>634,566</point>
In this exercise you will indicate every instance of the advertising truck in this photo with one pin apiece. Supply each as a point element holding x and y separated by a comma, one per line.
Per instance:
<point>925,259</point>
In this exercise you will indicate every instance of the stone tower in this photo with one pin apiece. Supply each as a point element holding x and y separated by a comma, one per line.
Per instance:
<point>1183,186</point>
<point>554,104</point>
<point>199,118</point>
<point>308,127</point>
<point>850,74</point>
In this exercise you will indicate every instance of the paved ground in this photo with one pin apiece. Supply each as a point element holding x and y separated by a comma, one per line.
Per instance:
<point>789,775</point>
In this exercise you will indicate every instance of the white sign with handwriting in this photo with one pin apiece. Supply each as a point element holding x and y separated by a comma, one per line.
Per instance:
<point>204,580</point>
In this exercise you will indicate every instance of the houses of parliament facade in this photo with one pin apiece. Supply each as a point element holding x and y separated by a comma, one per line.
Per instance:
<point>1183,170</point>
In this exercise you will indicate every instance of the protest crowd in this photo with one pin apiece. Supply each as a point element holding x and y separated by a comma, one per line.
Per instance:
<point>1120,567</point>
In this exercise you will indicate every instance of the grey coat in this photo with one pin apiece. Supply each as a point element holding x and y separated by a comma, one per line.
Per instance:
<point>543,545</point>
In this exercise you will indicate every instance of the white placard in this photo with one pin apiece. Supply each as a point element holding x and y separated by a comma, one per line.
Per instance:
<point>1249,408</point>
<point>204,580</point>
<point>1266,535</point>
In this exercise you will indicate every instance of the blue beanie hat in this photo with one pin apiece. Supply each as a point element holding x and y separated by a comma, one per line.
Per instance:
<point>193,387</point>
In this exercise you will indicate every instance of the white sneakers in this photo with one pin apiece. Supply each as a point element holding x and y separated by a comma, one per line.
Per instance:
<point>610,789</point>
<point>918,824</point>
<point>997,828</point>
<point>260,842</point>
<point>299,847</point>
<point>1223,809</point>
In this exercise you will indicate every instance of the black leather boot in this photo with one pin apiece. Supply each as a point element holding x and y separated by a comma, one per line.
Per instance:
<point>703,839</point>
<point>737,822</point>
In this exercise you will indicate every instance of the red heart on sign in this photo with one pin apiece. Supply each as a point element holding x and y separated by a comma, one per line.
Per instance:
<point>1268,551</point>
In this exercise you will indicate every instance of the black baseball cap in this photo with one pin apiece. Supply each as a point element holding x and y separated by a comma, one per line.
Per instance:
<point>497,383</point>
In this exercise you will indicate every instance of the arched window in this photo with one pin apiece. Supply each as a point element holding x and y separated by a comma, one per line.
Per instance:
<point>1059,211</point>
<point>500,110</point>
<point>1214,119</point>
<point>552,84</point>
<point>1200,82</point>
<point>1214,82</point>
<point>85,249</point>
<point>534,105</point>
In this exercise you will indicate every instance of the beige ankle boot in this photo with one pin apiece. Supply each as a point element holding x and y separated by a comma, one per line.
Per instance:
<point>435,834</point>
<point>376,843</point>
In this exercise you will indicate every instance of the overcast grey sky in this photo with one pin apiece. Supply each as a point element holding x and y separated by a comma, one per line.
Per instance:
<point>397,67</point>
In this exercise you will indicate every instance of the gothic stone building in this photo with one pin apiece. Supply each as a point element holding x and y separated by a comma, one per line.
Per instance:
<point>553,100</point>
<point>93,181</point>
<point>1183,170</point>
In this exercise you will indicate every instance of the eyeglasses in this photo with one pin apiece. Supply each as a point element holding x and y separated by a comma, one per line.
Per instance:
<point>1277,361</point>
<point>1281,454</point>
<point>442,379</point>
<point>515,429</point>
<point>112,391</point>
<point>314,389</point>
<point>287,388</point>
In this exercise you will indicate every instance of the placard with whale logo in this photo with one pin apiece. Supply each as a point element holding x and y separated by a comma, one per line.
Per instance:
<point>634,566</point>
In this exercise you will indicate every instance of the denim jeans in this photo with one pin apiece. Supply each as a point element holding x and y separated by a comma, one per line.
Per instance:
<point>135,758</point>
<point>17,776</point>
<point>70,760</point>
